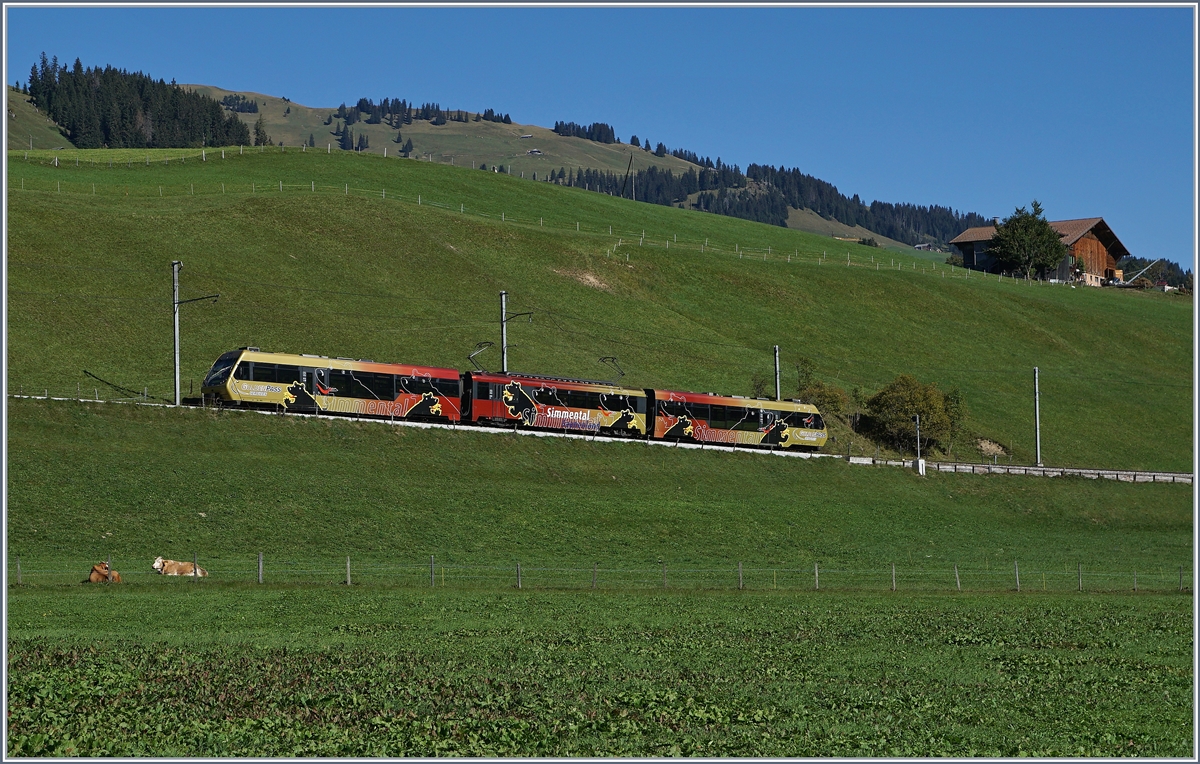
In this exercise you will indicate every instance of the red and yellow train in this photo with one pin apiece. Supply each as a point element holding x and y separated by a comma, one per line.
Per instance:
<point>313,384</point>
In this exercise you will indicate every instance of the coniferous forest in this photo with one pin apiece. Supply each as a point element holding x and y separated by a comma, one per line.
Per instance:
<point>112,108</point>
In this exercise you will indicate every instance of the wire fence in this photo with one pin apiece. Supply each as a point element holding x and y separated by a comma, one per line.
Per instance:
<point>998,576</point>
<point>619,242</point>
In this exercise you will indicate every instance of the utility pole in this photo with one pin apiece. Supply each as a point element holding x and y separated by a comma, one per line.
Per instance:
<point>504,319</point>
<point>504,331</point>
<point>778,395</point>
<point>176,267</point>
<point>917,422</point>
<point>1037,415</point>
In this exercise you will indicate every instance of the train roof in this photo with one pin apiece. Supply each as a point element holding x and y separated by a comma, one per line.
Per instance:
<point>365,364</point>
<point>735,400</point>
<point>496,376</point>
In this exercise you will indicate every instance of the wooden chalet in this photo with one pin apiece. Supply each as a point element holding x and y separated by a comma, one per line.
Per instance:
<point>1089,239</point>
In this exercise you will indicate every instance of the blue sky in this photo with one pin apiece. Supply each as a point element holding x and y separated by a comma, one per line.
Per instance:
<point>1089,110</point>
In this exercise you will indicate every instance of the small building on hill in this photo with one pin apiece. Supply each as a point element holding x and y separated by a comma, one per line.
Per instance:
<point>1088,239</point>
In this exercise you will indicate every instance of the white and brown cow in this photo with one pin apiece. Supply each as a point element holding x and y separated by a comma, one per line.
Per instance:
<point>175,568</point>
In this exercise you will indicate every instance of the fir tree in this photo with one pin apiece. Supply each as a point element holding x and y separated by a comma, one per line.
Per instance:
<point>260,133</point>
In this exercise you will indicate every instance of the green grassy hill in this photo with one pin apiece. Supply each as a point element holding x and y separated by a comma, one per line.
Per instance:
<point>402,260</point>
<point>26,125</point>
<point>460,144</point>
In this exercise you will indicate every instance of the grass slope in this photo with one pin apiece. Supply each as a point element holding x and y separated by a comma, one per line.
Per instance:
<point>359,268</point>
<point>26,125</point>
<point>87,481</point>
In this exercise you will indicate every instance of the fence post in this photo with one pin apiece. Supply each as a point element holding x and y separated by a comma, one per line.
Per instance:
<point>260,567</point>
<point>893,576</point>
<point>518,575</point>
<point>347,570</point>
<point>740,586</point>
<point>816,576</point>
<point>1017,573</point>
<point>1081,576</point>
<point>594,565</point>
<point>957,583</point>
<point>432,581</point>
<point>19,572</point>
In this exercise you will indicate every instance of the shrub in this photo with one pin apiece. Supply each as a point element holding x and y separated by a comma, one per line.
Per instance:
<point>955,260</point>
<point>832,401</point>
<point>892,410</point>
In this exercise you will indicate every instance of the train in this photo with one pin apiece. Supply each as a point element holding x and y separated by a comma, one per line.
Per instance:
<point>315,384</point>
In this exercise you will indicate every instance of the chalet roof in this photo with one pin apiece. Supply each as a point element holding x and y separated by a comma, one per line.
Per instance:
<point>1071,231</point>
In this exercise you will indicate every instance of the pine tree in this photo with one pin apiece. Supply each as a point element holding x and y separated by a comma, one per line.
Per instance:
<point>260,133</point>
<point>408,147</point>
<point>312,140</point>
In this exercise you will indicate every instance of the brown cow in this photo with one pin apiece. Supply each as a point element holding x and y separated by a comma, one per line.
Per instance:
<point>175,568</point>
<point>99,575</point>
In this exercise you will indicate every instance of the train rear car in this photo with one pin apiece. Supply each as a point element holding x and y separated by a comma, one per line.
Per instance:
<point>312,384</point>
<point>736,421</point>
<point>552,403</point>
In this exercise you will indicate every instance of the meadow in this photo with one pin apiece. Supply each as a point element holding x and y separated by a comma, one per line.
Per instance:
<point>402,260</point>
<point>90,481</point>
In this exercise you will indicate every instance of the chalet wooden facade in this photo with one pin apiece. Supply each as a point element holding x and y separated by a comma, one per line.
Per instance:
<point>1088,239</point>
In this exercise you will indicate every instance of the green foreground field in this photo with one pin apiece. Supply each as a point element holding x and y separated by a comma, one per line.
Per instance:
<point>195,669</point>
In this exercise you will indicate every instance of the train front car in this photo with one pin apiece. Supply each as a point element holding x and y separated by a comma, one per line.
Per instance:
<point>551,403</point>
<point>311,384</point>
<point>736,421</point>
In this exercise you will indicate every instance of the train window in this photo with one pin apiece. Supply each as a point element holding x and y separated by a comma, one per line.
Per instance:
<point>717,417</point>
<point>699,410</point>
<point>451,388</point>
<point>370,385</point>
<point>746,419</point>
<point>582,399</point>
<point>220,370</point>
<point>263,372</point>
<point>640,404</point>
<point>483,391</point>
<point>286,375</point>
<point>496,389</point>
<point>244,370</point>
<point>342,384</point>
<point>613,402</point>
<point>672,408</point>
<point>548,396</point>
<point>415,385</point>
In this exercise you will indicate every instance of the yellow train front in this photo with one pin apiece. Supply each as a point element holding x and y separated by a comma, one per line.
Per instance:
<point>311,384</point>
